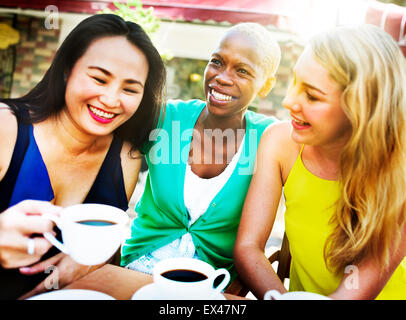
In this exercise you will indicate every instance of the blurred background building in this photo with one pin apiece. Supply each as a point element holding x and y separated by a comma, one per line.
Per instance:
<point>31,31</point>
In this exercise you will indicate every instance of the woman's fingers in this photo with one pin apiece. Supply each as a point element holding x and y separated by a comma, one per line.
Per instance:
<point>28,217</point>
<point>35,224</point>
<point>36,207</point>
<point>18,224</point>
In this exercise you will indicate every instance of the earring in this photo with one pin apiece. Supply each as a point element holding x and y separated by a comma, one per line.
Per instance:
<point>267,87</point>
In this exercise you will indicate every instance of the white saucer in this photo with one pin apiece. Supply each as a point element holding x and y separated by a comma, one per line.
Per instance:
<point>149,292</point>
<point>72,294</point>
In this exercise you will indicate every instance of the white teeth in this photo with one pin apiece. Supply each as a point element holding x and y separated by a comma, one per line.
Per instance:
<point>220,96</point>
<point>101,113</point>
<point>301,122</point>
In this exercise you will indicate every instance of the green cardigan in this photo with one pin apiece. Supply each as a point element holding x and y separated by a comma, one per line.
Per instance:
<point>161,213</point>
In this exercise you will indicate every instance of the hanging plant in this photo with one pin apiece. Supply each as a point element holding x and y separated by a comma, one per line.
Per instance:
<point>133,11</point>
<point>8,36</point>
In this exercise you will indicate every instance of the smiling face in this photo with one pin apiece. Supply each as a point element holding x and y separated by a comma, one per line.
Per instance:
<point>106,85</point>
<point>233,76</point>
<point>314,102</point>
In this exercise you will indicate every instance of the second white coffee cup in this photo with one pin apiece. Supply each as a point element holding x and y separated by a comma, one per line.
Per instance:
<point>91,232</point>
<point>188,279</point>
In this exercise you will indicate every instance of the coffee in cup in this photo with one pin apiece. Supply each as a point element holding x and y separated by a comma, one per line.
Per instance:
<point>188,279</point>
<point>91,232</point>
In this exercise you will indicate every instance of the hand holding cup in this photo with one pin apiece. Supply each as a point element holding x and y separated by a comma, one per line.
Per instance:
<point>18,224</point>
<point>91,232</point>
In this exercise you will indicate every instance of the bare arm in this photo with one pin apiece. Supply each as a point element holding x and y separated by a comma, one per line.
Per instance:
<point>258,215</point>
<point>366,280</point>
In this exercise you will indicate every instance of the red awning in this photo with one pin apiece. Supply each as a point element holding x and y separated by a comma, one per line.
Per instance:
<point>233,11</point>
<point>261,11</point>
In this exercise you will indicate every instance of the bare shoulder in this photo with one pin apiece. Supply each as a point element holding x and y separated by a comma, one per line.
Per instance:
<point>276,139</point>
<point>9,124</point>
<point>6,112</point>
<point>277,144</point>
<point>131,165</point>
<point>281,129</point>
<point>8,132</point>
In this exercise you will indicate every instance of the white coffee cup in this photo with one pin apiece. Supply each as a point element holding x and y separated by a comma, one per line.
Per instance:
<point>170,277</point>
<point>91,232</point>
<point>294,295</point>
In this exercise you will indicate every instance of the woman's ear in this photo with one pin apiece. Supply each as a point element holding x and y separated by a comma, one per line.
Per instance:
<point>269,83</point>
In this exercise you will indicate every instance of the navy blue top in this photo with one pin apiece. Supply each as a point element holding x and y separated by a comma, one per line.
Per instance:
<point>27,178</point>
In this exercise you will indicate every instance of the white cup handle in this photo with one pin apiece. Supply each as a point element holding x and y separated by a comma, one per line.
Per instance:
<point>223,283</point>
<point>272,295</point>
<point>50,237</point>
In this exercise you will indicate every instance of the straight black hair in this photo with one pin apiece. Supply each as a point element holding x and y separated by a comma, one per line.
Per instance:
<point>47,98</point>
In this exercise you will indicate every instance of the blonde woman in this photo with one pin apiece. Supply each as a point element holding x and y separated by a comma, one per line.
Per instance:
<point>342,165</point>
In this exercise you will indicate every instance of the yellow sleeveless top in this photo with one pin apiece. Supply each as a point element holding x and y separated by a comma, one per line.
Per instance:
<point>310,203</point>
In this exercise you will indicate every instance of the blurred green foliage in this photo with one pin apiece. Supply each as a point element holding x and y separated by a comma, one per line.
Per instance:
<point>398,2</point>
<point>133,11</point>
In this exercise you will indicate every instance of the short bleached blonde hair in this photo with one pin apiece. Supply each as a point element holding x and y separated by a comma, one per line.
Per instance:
<point>265,42</point>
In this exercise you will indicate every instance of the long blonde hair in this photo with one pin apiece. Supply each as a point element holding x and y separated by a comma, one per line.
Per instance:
<point>371,70</point>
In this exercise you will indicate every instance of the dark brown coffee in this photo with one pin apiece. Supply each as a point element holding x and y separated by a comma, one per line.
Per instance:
<point>184,275</point>
<point>98,223</point>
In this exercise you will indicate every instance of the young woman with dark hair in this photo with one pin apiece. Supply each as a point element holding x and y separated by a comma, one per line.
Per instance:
<point>47,98</point>
<point>75,138</point>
